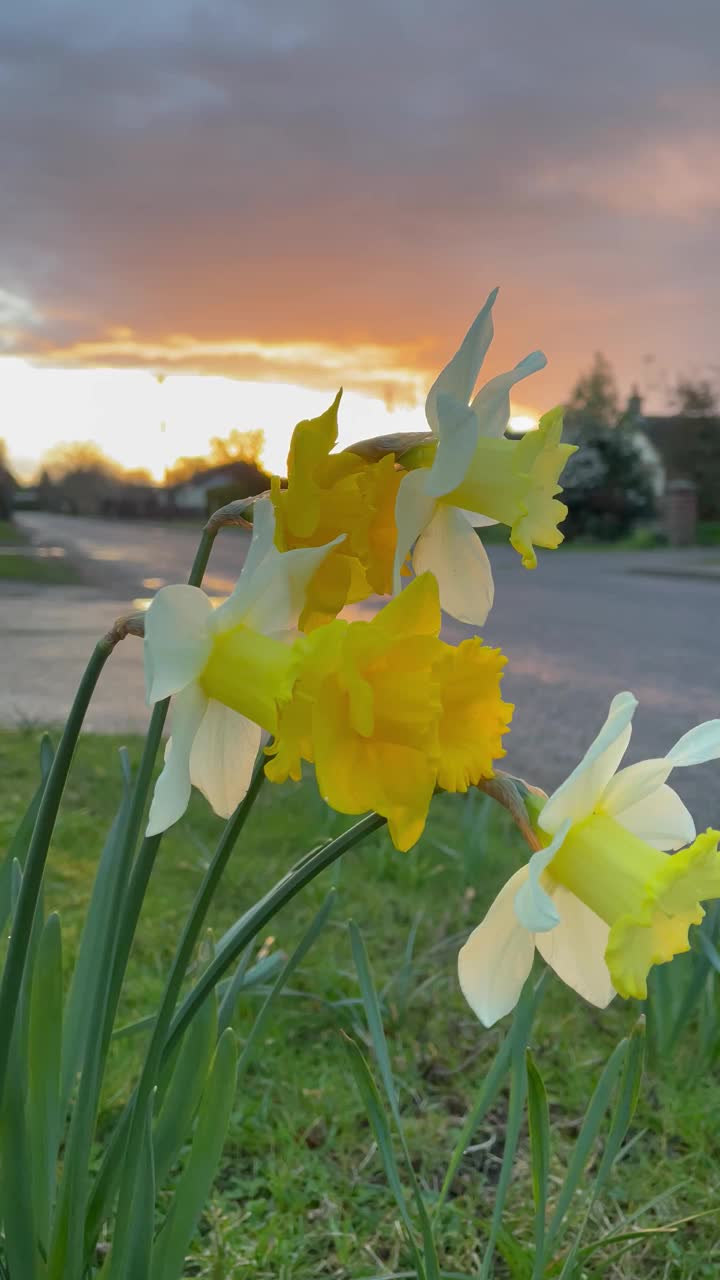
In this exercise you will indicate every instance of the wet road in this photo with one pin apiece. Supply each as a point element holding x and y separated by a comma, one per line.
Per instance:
<point>581,627</point>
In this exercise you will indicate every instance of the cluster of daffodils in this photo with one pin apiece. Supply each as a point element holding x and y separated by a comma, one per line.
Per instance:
<point>387,712</point>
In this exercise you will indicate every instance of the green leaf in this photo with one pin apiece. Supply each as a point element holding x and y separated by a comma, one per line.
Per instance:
<point>297,957</point>
<point>377,1034</point>
<point>516,1105</point>
<point>18,1207</point>
<point>188,1079</point>
<point>621,1116</point>
<point>134,1259</point>
<point>101,920</point>
<point>381,1129</point>
<point>18,847</point>
<point>491,1085</point>
<point>44,1055</point>
<point>201,1168</point>
<point>594,1117</point>
<point>539,1126</point>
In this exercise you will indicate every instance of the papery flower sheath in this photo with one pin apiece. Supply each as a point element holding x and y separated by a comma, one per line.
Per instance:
<point>332,494</point>
<point>602,900</point>
<point>387,711</point>
<point>227,669</point>
<point>467,474</point>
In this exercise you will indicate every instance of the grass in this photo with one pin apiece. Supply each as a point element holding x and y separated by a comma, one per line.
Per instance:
<point>52,571</point>
<point>11,535</point>
<point>301,1192</point>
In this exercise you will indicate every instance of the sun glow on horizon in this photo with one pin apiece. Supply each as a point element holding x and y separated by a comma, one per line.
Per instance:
<point>140,419</point>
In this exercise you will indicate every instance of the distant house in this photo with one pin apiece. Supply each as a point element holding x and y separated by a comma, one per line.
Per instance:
<point>689,447</point>
<point>198,494</point>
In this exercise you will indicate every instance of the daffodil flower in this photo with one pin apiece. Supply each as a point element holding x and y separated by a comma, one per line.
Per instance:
<point>602,901</point>
<point>387,712</point>
<point>331,494</point>
<point>468,474</point>
<point>227,669</point>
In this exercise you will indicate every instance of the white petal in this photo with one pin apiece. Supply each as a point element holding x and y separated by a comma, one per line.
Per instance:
<point>458,378</point>
<point>177,640</point>
<point>491,405</point>
<point>452,551</point>
<point>172,789</point>
<point>661,819</point>
<point>272,599</point>
<point>497,958</point>
<point>634,783</point>
<point>263,536</point>
<point>457,441</point>
<point>534,907</point>
<point>477,521</point>
<point>223,755</point>
<point>580,793</point>
<point>697,746</point>
<point>575,949</point>
<point>414,509</point>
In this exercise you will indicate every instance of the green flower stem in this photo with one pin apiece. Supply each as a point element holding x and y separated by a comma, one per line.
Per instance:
<point>229,948</point>
<point>69,1226</point>
<point>243,932</point>
<point>38,851</point>
<point>176,977</point>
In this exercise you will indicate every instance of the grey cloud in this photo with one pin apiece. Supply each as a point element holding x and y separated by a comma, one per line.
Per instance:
<point>347,172</point>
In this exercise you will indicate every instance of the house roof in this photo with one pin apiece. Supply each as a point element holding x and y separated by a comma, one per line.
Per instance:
<point>231,469</point>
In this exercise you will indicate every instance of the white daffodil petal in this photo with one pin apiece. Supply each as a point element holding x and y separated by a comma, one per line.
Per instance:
<point>576,949</point>
<point>457,441</point>
<point>233,611</point>
<point>634,783</point>
<point>172,789</point>
<point>578,795</point>
<point>263,535</point>
<point>697,746</point>
<point>497,958</point>
<point>491,406</point>
<point>452,551</point>
<point>414,510</point>
<point>280,585</point>
<point>459,376</point>
<point>477,521</point>
<point>660,819</point>
<point>534,907</point>
<point>177,640</point>
<point>223,755</point>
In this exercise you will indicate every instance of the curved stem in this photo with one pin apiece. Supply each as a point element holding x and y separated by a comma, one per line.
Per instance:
<point>176,977</point>
<point>228,950</point>
<point>243,932</point>
<point>38,851</point>
<point>69,1222</point>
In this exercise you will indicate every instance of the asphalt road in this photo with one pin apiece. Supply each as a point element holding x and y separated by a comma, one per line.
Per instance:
<point>581,627</point>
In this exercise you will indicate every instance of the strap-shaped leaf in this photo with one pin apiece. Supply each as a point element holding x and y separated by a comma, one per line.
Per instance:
<point>102,917</point>
<point>539,1125</point>
<point>189,1076</point>
<point>201,1167</point>
<point>43,1065</point>
<point>17,849</point>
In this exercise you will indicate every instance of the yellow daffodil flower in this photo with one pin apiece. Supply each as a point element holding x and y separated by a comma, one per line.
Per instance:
<point>602,901</point>
<point>387,712</point>
<point>468,474</point>
<point>332,494</point>
<point>227,669</point>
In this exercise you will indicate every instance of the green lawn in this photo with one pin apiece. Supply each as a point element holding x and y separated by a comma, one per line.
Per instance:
<point>11,535</point>
<point>301,1192</point>
<point>53,571</point>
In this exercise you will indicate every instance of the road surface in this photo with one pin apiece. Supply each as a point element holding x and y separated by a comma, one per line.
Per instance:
<point>581,627</point>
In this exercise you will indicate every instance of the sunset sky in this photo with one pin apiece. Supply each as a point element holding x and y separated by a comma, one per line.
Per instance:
<point>307,194</point>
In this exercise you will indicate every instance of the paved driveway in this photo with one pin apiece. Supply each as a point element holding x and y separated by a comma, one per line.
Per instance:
<point>581,627</point>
